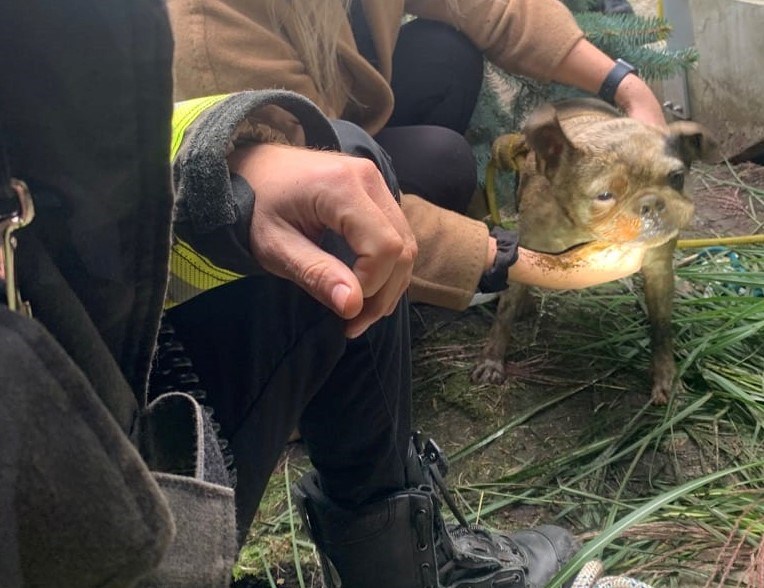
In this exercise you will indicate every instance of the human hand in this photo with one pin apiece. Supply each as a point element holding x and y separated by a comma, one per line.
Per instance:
<point>637,100</point>
<point>586,67</point>
<point>298,194</point>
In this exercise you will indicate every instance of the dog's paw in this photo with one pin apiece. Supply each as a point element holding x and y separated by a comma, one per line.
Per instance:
<point>489,371</point>
<point>660,395</point>
<point>662,391</point>
<point>664,384</point>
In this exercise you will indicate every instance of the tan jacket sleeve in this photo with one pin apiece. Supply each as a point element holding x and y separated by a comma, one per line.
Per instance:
<point>525,37</point>
<point>452,253</point>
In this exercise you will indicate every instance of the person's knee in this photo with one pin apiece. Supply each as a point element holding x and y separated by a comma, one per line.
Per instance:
<point>357,142</point>
<point>448,159</point>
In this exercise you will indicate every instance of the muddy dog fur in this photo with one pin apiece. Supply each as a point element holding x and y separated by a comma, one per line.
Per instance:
<point>589,178</point>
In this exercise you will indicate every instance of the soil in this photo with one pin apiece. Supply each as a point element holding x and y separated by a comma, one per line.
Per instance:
<point>722,206</point>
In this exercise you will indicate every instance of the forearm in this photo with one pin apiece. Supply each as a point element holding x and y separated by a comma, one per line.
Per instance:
<point>586,67</point>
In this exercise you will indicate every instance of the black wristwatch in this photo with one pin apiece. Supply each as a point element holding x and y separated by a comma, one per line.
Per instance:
<point>609,87</point>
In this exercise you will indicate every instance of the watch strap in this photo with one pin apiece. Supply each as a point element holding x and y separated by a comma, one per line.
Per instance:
<point>614,78</point>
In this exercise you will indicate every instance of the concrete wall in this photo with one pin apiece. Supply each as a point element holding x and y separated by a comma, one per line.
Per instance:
<point>726,90</point>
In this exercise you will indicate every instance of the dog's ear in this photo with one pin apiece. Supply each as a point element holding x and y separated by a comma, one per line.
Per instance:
<point>691,141</point>
<point>545,136</point>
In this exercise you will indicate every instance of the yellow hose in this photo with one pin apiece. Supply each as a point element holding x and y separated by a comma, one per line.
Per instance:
<point>710,242</point>
<point>490,192</point>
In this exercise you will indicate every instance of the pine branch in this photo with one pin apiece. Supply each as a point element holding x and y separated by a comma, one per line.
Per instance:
<point>628,28</point>
<point>659,64</point>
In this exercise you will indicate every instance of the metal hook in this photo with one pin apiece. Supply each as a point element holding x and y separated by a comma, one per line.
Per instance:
<point>8,226</point>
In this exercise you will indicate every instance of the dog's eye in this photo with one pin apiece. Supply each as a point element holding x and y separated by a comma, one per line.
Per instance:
<point>676,180</point>
<point>605,196</point>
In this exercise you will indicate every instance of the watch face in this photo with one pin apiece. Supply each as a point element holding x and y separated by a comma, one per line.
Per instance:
<point>626,64</point>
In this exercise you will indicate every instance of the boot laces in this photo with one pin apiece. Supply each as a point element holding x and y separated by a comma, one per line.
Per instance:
<point>462,549</point>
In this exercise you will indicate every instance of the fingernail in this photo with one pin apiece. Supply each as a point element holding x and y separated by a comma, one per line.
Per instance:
<point>340,295</point>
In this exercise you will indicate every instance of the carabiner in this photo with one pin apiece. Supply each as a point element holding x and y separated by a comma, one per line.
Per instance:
<point>23,216</point>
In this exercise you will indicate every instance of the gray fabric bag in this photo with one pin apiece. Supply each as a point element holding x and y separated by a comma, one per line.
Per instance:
<point>177,440</point>
<point>79,505</point>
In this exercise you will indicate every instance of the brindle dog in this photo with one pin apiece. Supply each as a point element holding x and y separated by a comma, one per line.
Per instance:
<point>592,178</point>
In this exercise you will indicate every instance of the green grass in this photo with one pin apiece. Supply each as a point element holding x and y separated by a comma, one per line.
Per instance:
<point>696,466</point>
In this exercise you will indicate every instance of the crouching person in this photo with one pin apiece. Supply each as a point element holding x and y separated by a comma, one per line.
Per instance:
<point>331,356</point>
<point>286,307</point>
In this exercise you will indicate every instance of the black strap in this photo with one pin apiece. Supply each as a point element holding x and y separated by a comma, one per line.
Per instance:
<point>495,278</point>
<point>610,86</point>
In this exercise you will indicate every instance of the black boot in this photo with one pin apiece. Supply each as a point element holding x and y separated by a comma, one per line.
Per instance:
<point>402,541</point>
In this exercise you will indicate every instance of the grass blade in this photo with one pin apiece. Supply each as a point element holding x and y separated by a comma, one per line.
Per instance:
<point>293,536</point>
<point>595,546</point>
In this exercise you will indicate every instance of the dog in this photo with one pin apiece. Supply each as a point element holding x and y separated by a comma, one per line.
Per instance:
<point>591,177</point>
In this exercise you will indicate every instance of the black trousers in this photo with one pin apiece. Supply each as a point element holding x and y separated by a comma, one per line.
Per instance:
<point>437,74</point>
<point>272,358</point>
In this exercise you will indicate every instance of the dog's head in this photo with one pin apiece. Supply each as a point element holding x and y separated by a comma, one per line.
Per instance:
<point>620,179</point>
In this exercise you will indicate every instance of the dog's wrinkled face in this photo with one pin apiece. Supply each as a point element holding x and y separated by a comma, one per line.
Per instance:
<point>622,180</point>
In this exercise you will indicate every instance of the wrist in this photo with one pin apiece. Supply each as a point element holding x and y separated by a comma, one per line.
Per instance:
<point>631,91</point>
<point>637,100</point>
<point>505,246</point>
<point>251,160</point>
<point>616,76</point>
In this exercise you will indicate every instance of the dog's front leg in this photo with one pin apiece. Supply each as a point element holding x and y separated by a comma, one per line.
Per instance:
<point>658,273</point>
<point>513,302</point>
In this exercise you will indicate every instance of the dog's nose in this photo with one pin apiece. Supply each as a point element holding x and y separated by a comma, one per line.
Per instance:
<point>650,205</point>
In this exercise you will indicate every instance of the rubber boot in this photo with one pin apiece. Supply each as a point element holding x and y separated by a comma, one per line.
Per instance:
<point>402,541</point>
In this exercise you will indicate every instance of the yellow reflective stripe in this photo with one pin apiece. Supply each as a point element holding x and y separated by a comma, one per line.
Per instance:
<point>192,273</point>
<point>184,114</point>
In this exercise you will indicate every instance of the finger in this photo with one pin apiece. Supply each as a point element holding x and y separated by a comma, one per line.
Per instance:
<point>381,304</point>
<point>284,251</point>
<point>370,220</point>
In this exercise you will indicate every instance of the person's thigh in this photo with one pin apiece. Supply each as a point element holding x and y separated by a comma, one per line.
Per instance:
<point>437,74</point>
<point>429,161</point>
